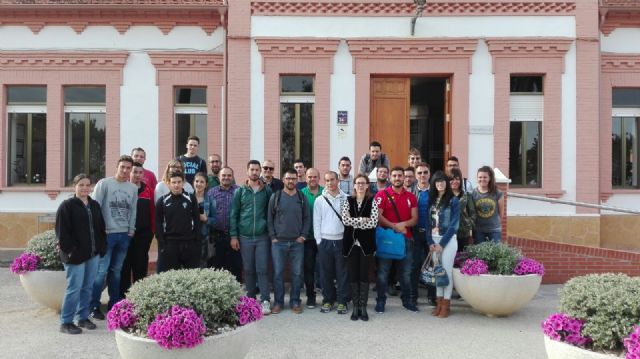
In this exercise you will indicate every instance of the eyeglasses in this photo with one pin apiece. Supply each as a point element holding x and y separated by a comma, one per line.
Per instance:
<point>290,178</point>
<point>214,161</point>
<point>422,173</point>
<point>266,168</point>
<point>414,158</point>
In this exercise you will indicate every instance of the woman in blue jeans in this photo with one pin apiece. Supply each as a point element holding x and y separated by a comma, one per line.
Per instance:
<point>81,236</point>
<point>442,227</point>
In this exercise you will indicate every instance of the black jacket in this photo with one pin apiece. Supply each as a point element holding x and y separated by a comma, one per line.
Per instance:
<point>177,218</point>
<point>75,227</point>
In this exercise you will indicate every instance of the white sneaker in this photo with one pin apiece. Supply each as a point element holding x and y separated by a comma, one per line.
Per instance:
<point>266,307</point>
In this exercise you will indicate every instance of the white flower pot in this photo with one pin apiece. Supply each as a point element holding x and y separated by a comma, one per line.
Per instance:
<point>560,350</point>
<point>230,345</point>
<point>496,295</point>
<point>45,287</point>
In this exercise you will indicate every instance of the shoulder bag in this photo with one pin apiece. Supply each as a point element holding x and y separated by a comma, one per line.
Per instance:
<point>432,272</point>
<point>389,243</point>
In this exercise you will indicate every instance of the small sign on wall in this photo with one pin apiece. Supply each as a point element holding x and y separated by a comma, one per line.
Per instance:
<point>343,118</point>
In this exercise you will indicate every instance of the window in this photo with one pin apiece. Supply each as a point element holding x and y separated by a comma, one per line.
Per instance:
<point>85,132</point>
<point>27,120</point>
<point>624,138</point>
<point>526,110</point>
<point>296,120</point>
<point>191,118</point>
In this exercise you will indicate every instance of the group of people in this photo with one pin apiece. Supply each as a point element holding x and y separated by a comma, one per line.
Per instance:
<point>326,234</point>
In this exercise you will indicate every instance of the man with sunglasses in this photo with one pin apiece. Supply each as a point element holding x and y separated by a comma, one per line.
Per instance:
<point>267,177</point>
<point>421,191</point>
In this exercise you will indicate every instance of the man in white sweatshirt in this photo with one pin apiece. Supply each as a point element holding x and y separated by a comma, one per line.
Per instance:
<point>328,231</point>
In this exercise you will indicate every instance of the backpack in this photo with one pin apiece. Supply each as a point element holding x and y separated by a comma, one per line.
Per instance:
<point>277,201</point>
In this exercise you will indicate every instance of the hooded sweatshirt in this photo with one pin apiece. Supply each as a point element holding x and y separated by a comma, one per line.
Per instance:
<point>326,223</point>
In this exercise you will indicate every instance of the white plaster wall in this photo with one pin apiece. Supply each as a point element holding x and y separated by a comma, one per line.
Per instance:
<point>30,202</point>
<point>438,26</point>
<point>343,98</point>
<point>257,105</point>
<point>139,108</point>
<point>481,110</point>
<point>108,38</point>
<point>627,201</point>
<point>622,41</point>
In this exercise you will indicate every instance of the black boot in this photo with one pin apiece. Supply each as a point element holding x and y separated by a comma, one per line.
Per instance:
<point>355,294</point>
<point>364,296</point>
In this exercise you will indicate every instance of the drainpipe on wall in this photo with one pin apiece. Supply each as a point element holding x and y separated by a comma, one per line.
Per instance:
<point>419,9</point>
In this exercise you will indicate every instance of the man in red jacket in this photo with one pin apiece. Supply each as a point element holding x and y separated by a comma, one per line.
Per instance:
<point>137,260</point>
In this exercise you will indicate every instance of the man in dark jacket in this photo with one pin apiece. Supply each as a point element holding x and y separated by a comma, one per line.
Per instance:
<point>177,225</point>
<point>137,260</point>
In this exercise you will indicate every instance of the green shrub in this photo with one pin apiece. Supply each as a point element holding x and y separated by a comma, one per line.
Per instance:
<point>500,257</point>
<point>45,245</point>
<point>211,293</point>
<point>609,304</point>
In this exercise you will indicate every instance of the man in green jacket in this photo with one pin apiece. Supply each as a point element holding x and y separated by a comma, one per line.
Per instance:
<point>248,232</point>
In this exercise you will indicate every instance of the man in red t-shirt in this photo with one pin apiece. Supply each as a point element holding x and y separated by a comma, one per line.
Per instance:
<point>406,207</point>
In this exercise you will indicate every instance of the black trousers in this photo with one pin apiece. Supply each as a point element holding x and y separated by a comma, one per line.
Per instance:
<point>225,257</point>
<point>136,262</point>
<point>310,254</point>
<point>358,266</point>
<point>181,254</point>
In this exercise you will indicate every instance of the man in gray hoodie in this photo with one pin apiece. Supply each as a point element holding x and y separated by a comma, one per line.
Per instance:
<point>288,221</point>
<point>118,199</point>
<point>328,231</point>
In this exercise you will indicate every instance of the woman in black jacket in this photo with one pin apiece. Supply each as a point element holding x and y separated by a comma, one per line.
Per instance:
<point>360,218</point>
<point>81,236</point>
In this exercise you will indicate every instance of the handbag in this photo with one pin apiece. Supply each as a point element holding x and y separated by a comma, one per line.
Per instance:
<point>432,272</point>
<point>389,243</point>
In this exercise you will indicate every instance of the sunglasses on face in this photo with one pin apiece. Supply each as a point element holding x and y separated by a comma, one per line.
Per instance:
<point>422,173</point>
<point>266,168</point>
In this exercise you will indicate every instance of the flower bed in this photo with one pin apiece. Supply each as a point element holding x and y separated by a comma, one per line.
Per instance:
<point>599,312</point>
<point>178,309</point>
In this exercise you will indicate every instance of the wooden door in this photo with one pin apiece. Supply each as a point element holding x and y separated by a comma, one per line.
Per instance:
<point>389,123</point>
<point>447,121</point>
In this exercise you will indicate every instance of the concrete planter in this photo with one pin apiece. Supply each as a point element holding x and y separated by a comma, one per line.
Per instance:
<point>230,345</point>
<point>496,295</point>
<point>560,350</point>
<point>45,287</point>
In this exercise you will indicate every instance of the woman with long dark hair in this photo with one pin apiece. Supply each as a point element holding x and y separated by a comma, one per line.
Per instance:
<point>200,186</point>
<point>442,226</point>
<point>489,204</point>
<point>467,209</point>
<point>360,218</point>
<point>82,237</point>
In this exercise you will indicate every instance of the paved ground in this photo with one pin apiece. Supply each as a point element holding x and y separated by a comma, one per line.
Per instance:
<point>30,331</point>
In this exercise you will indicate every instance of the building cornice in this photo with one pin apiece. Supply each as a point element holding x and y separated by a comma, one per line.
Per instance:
<point>70,61</point>
<point>518,48</point>
<point>276,47</point>
<point>187,61</point>
<point>209,18</point>
<point>408,8</point>
<point>629,63</point>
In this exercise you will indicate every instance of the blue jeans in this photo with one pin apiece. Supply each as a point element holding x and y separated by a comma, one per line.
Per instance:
<point>487,236</point>
<point>117,246</point>
<point>280,252</point>
<point>80,278</point>
<point>255,263</point>
<point>332,267</point>
<point>404,268</point>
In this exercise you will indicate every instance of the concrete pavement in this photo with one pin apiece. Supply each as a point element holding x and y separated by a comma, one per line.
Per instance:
<point>28,330</point>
